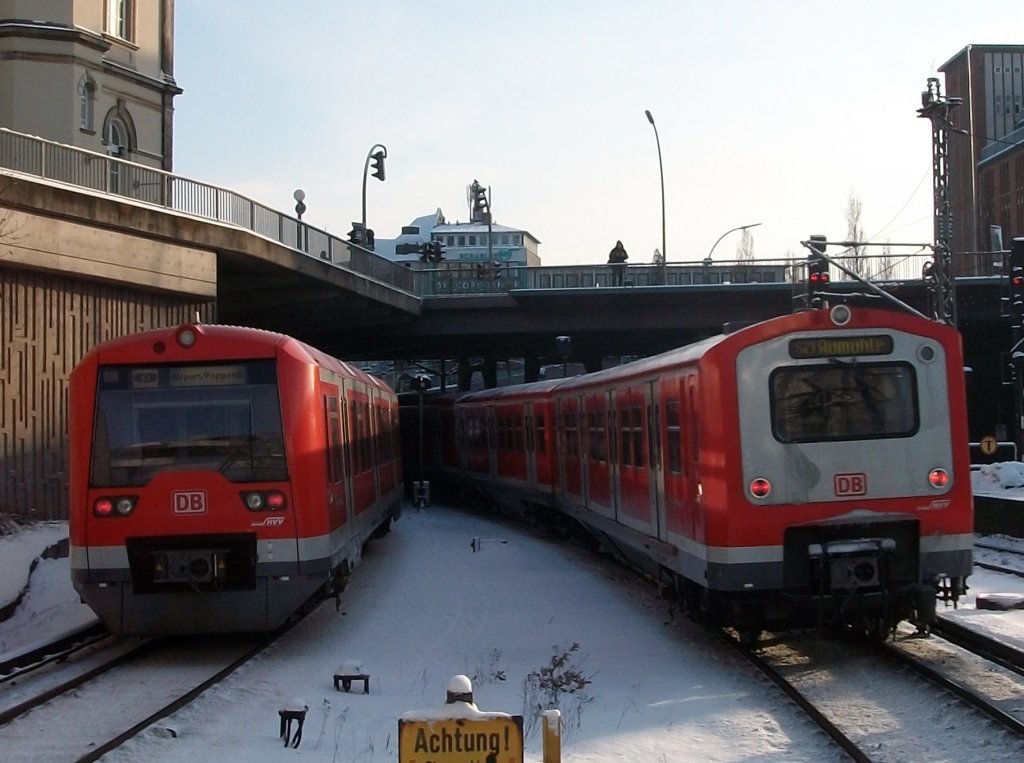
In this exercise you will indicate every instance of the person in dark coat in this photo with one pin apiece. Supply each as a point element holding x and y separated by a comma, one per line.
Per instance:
<point>617,259</point>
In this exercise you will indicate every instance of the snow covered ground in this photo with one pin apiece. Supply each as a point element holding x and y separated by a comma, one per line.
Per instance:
<point>424,606</point>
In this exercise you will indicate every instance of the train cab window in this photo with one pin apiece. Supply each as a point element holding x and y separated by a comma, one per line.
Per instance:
<point>843,401</point>
<point>151,419</point>
<point>673,436</point>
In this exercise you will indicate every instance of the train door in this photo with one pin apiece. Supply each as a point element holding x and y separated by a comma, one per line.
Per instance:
<point>337,490</point>
<point>531,443</point>
<point>346,455</point>
<point>600,475</point>
<point>572,472</point>
<point>656,482</point>
<point>635,508</point>
<point>675,461</point>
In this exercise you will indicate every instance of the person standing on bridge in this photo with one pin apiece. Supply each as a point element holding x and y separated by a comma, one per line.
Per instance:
<point>617,259</point>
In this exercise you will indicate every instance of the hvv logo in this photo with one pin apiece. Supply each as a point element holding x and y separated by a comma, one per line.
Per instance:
<point>189,501</point>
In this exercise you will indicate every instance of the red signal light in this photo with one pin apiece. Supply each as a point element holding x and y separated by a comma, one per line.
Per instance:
<point>103,507</point>
<point>760,487</point>
<point>938,478</point>
<point>275,500</point>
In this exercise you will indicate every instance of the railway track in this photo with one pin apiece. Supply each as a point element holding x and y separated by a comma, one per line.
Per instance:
<point>136,682</point>
<point>1006,551</point>
<point>858,700</point>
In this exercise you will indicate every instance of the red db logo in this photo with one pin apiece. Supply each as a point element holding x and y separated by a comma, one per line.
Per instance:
<point>189,501</point>
<point>850,484</point>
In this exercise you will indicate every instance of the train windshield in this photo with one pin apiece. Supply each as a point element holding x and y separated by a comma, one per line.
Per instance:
<point>843,400</point>
<point>152,419</point>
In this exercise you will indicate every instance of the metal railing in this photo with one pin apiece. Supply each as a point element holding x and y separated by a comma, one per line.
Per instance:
<point>110,174</point>
<point>457,278</point>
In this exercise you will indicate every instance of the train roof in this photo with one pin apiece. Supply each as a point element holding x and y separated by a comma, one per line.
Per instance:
<point>801,321</point>
<point>241,334</point>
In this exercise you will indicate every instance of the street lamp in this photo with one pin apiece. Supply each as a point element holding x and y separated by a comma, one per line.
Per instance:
<point>661,172</point>
<point>707,260</point>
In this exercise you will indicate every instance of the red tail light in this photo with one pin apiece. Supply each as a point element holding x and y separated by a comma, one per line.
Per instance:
<point>938,478</point>
<point>760,487</point>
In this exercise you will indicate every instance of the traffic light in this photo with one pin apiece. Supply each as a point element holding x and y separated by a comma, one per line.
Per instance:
<point>1017,279</point>
<point>817,267</point>
<point>358,234</point>
<point>432,251</point>
<point>481,207</point>
<point>377,162</point>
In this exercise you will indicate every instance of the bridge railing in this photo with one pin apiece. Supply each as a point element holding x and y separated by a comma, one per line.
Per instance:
<point>455,278</point>
<point>111,174</point>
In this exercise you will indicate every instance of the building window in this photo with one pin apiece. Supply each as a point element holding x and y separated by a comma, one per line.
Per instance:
<point>461,240</point>
<point>86,100</point>
<point>471,240</point>
<point>121,18</point>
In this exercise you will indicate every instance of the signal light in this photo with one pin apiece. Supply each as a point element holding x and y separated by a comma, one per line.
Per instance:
<point>1017,279</point>
<point>377,162</point>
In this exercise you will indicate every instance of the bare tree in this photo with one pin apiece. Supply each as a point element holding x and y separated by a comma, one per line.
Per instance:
<point>886,263</point>
<point>745,249</point>
<point>855,234</point>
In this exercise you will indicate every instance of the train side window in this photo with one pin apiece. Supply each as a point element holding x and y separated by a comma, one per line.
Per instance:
<point>517,431</point>
<point>539,437</point>
<point>673,435</point>
<point>632,436</point>
<point>597,436</point>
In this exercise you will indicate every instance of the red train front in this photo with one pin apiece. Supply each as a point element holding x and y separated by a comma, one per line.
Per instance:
<point>220,477</point>
<point>810,468</point>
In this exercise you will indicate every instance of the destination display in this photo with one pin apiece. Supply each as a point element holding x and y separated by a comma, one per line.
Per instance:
<point>833,346</point>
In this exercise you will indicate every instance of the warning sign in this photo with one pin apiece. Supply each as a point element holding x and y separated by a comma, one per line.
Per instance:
<point>461,740</point>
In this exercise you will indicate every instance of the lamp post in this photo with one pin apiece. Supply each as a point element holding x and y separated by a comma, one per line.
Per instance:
<point>661,172</point>
<point>707,260</point>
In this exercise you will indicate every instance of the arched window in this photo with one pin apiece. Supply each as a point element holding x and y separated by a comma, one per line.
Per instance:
<point>87,101</point>
<point>119,138</point>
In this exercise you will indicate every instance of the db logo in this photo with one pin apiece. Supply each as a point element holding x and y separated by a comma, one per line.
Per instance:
<point>189,501</point>
<point>850,484</point>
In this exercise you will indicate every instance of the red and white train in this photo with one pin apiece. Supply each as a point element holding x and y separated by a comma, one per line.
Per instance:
<point>812,468</point>
<point>220,477</point>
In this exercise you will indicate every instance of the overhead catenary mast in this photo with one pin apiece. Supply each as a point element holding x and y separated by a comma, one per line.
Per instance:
<point>939,272</point>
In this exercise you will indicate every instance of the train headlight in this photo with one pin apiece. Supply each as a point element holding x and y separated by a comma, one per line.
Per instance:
<point>938,478</point>
<point>255,501</point>
<point>124,506</point>
<point>186,336</point>
<point>840,315</point>
<point>760,487</point>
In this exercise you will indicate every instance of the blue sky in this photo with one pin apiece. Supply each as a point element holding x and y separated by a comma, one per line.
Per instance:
<point>769,112</point>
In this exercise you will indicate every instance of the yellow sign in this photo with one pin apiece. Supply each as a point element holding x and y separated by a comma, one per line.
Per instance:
<point>461,740</point>
<point>989,445</point>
